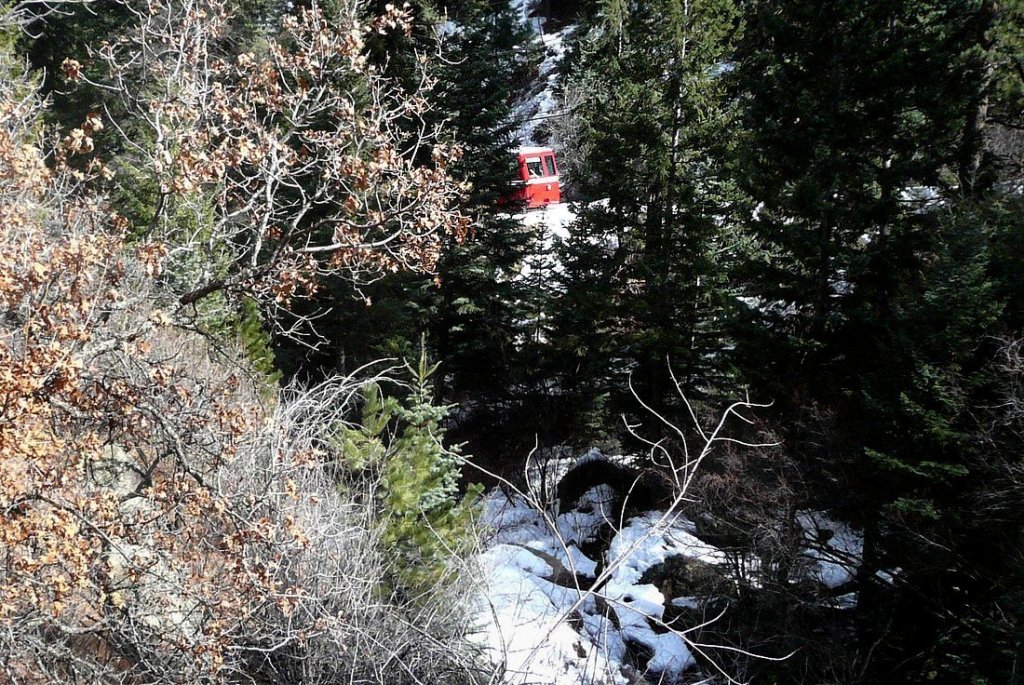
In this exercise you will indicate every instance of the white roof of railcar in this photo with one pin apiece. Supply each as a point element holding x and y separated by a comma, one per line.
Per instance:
<point>533,150</point>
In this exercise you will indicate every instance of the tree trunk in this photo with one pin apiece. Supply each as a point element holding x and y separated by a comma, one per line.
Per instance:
<point>972,146</point>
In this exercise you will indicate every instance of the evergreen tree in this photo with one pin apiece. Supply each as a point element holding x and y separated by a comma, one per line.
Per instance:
<point>646,273</point>
<point>481,299</point>
<point>871,320</point>
<point>927,465</point>
<point>838,125</point>
<point>425,522</point>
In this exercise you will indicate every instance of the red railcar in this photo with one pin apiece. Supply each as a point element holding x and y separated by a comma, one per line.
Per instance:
<point>538,177</point>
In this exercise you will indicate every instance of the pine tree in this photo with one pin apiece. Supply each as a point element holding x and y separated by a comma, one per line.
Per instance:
<point>922,414</point>
<point>654,260</point>
<point>843,113</point>
<point>425,523</point>
<point>872,320</point>
<point>480,322</point>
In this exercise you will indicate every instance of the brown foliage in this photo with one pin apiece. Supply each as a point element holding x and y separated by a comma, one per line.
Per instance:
<point>111,439</point>
<point>298,161</point>
<point>158,521</point>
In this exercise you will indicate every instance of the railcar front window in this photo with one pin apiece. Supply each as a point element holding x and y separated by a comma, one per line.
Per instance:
<point>551,165</point>
<point>534,167</point>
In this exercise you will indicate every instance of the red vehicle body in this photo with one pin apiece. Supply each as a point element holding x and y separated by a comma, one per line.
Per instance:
<point>538,178</point>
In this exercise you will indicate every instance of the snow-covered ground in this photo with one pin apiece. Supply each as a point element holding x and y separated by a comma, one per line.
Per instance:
<point>537,615</point>
<point>552,614</point>
<point>555,221</point>
<point>542,103</point>
<point>833,547</point>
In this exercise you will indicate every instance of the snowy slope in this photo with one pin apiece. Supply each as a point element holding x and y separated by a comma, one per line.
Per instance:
<point>541,103</point>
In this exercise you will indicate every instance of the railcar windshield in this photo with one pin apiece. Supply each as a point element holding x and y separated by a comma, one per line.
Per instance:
<point>534,167</point>
<point>550,161</point>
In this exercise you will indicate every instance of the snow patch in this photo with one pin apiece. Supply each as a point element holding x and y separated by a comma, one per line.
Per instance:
<point>542,103</point>
<point>652,538</point>
<point>834,548</point>
<point>550,633</point>
<point>524,618</point>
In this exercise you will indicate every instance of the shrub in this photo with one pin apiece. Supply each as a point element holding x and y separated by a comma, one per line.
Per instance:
<point>401,446</point>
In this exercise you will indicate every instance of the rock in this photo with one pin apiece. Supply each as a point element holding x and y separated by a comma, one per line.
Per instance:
<point>636,491</point>
<point>680,576</point>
